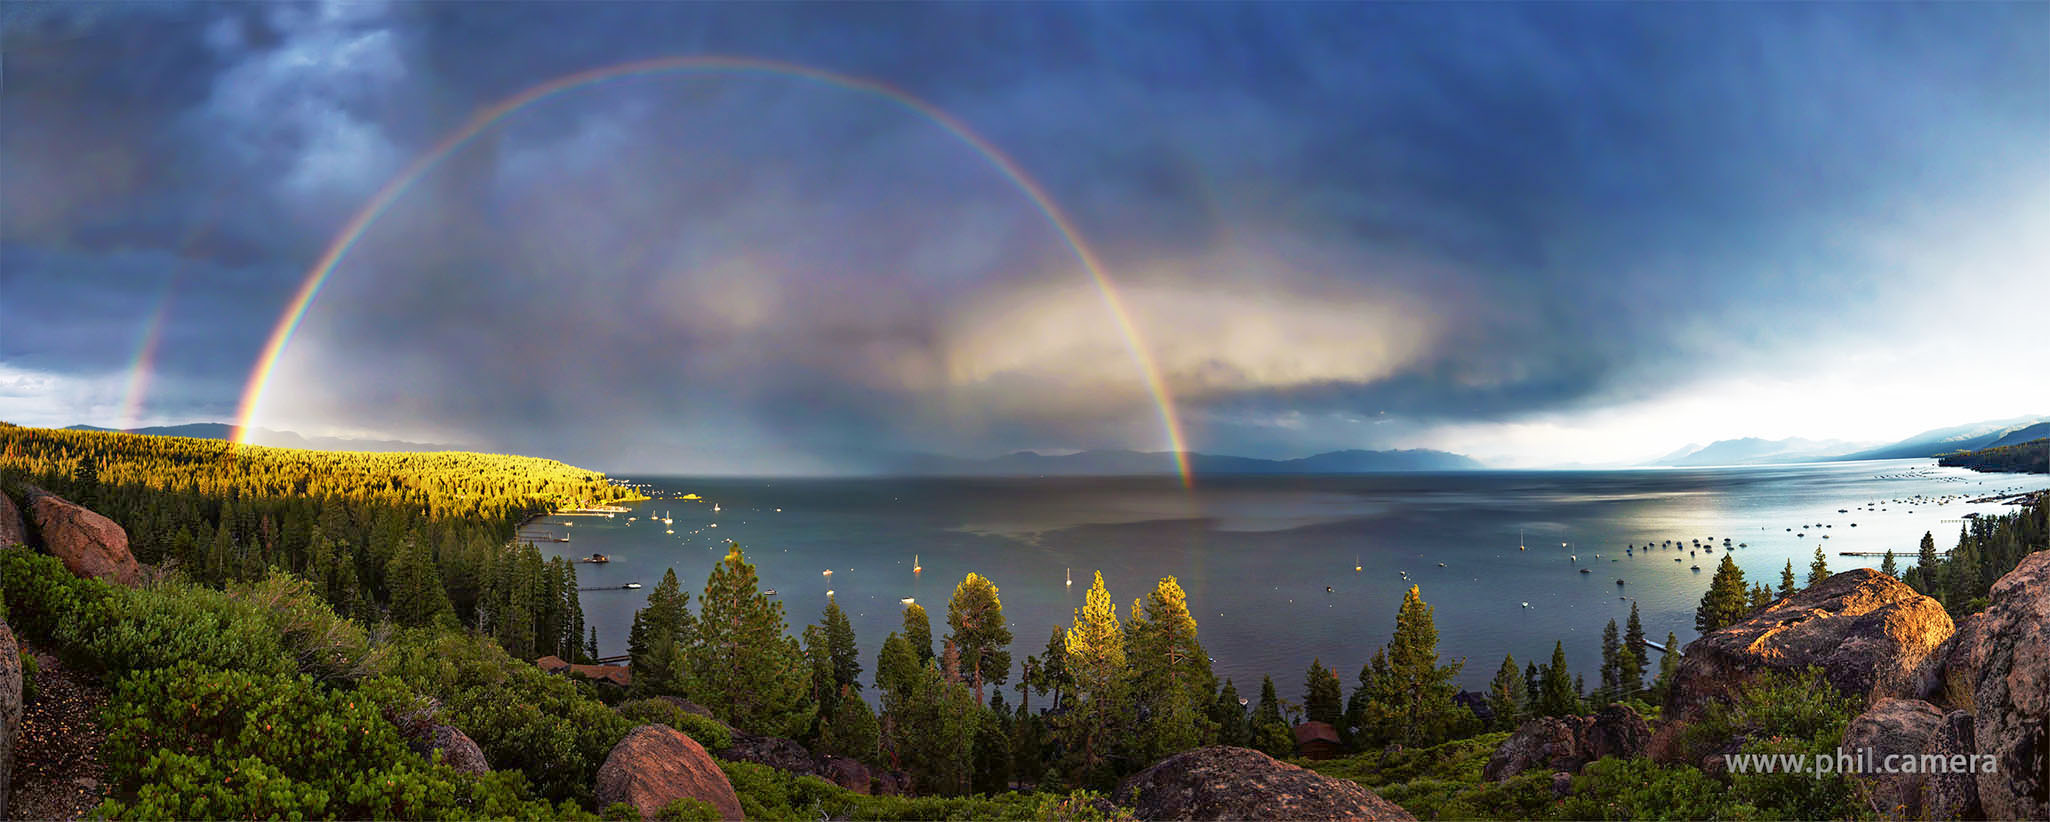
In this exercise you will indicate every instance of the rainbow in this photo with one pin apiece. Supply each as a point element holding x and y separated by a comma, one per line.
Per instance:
<point>281,335</point>
<point>140,368</point>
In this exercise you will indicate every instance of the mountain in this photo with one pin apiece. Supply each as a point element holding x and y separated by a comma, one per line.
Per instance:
<point>1119,462</point>
<point>2022,435</point>
<point>1968,437</point>
<point>265,436</point>
<point>1755,451</point>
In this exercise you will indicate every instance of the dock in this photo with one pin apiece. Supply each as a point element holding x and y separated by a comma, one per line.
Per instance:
<point>1896,554</point>
<point>1661,646</point>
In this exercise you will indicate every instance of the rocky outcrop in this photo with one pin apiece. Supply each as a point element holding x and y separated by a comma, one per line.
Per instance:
<point>12,531</point>
<point>787,755</point>
<point>457,749</point>
<point>1895,727</point>
<point>691,707</point>
<point>10,708</point>
<point>1566,743</point>
<point>418,723</point>
<point>1997,668</point>
<point>1869,632</point>
<point>656,765</point>
<point>89,544</point>
<point>1221,782</point>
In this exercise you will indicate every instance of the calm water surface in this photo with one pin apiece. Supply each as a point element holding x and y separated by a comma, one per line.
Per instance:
<point>1255,553</point>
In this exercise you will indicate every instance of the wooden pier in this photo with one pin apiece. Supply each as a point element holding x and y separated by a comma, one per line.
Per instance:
<point>1896,554</point>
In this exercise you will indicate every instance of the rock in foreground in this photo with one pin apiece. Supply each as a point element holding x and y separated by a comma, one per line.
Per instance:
<point>10,708</point>
<point>1998,668</point>
<point>12,531</point>
<point>1867,631</point>
<point>1221,782</point>
<point>1565,743</point>
<point>90,545</point>
<point>656,765</point>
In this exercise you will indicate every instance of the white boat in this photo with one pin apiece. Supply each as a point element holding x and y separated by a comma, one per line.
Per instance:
<point>907,600</point>
<point>1071,577</point>
<point>916,568</point>
<point>1520,547</point>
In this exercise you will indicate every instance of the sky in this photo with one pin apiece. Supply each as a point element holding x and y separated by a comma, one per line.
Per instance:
<point>1537,234</point>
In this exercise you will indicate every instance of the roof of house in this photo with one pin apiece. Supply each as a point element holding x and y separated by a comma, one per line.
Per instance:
<point>1309,732</point>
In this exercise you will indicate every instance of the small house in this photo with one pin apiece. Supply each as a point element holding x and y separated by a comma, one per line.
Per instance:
<point>1317,740</point>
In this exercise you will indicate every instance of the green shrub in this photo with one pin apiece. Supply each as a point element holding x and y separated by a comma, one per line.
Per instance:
<point>321,643</point>
<point>1800,704</point>
<point>193,742</point>
<point>768,794</point>
<point>656,711</point>
<point>1642,789</point>
<point>545,726</point>
<point>688,810</point>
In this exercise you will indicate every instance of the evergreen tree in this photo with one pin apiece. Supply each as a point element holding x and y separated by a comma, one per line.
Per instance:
<point>1961,576</point>
<point>1322,695</point>
<point>1761,597</point>
<point>1888,567</point>
<point>1635,661</point>
<point>1669,666</point>
<point>740,664</point>
<point>1505,694</point>
<point>975,617</point>
<point>1270,732</point>
<point>1229,715</point>
<point>1612,672</point>
<point>1170,673</point>
<point>853,731</point>
<point>1095,657</point>
<point>1787,585</point>
<point>992,747</point>
<point>918,632</point>
<point>896,670</point>
<point>417,597</point>
<point>1421,698</point>
<point>1367,718</point>
<point>1726,601</point>
<point>1925,565</point>
<point>1053,669</point>
<point>930,728</point>
<point>835,660</point>
<point>1557,695</point>
<point>1532,680</point>
<point>661,632</point>
<point>1818,569</point>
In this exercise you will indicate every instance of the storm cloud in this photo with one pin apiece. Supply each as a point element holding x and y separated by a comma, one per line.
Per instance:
<point>1332,226</point>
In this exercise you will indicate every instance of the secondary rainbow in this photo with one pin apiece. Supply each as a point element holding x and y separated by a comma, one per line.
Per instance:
<point>281,335</point>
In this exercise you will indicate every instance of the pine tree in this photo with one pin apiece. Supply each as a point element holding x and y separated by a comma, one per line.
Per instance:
<point>1171,677</point>
<point>1422,689</point>
<point>1726,601</point>
<point>1787,585</point>
<point>841,648</point>
<point>1505,694</point>
<point>417,597</point>
<point>929,728</point>
<point>918,632</point>
<point>739,663</point>
<point>1053,669</point>
<point>1925,565</point>
<point>1961,576</point>
<point>1888,567</point>
<point>1229,714</point>
<point>1095,656</point>
<point>1612,673</point>
<point>1669,666</point>
<point>1270,732</point>
<point>975,617</point>
<point>1322,695</point>
<point>1761,597</point>
<point>1557,695</point>
<point>657,641</point>
<point>1633,643</point>
<point>1368,720</point>
<point>1818,569</point>
<point>853,732</point>
<point>992,748</point>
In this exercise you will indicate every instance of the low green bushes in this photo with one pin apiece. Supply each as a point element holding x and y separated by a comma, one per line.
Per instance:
<point>705,730</point>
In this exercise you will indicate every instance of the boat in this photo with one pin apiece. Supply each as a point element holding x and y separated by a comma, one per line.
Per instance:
<point>1619,582</point>
<point>907,600</point>
<point>1071,577</point>
<point>1441,565</point>
<point>1586,571</point>
<point>669,530</point>
<point>598,559</point>
<point>769,593</point>
<point>829,573</point>
<point>1697,567</point>
<point>715,508</point>
<point>1519,547</point>
<point>916,568</point>
<point>1526,605</point>
<point>1356,563</point>
<point>631,585</point>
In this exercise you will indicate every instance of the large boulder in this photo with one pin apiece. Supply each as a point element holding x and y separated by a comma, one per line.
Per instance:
<point>1221,782</point>
<point>847,773</point>
<point>1566,743</point>
<point>12,532</point>
<point>656,765</point>
<point>457,749</point>
<point>775,752</point>
<point>10,708</point>
<point>1892,728</point>
<point>1997,667</point>
<point>1867,631</point>
<point>89,544</point>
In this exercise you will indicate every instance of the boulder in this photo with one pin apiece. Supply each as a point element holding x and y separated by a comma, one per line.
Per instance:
<point>775,752</point>
<point>1895,727</point>
<point>1562,785</point>
<point>1868,632</point>
<point>10,708</point>
<point>847,773</point>
<point>89,544</point>
<point>1998,668</point>
<point>1566,743</point>
<point>656,765</point>
<point>1221,782</point>
<point>691,707</point>
<point>892,783</point>
<point>12,532</point>
<point>458,750</point>
<point>1954,795</point>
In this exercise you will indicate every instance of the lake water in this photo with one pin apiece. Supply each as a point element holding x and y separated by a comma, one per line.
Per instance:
<point>1255,553</point>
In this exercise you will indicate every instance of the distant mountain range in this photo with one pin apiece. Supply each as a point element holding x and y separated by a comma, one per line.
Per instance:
<point>1755,451</point>
<point>265,436</point>
<point>1117,462</point>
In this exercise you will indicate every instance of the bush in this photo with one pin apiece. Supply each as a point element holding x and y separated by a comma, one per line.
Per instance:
<point>194,742</point>
<point>657,711</point>
<point>1642,789</point>
<point>545,726</point>
<point>767,794</point>
<point>688,810</point>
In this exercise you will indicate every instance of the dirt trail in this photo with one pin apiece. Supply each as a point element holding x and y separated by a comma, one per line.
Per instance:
<point>57,769</point>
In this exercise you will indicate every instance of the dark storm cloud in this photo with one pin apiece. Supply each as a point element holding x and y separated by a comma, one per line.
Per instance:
<point>1576,205</point>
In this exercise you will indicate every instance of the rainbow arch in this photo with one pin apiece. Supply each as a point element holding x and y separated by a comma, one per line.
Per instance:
<point>316,277</point>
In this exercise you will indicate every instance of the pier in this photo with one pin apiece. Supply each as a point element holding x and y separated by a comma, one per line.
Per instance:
<point>1896,554</point>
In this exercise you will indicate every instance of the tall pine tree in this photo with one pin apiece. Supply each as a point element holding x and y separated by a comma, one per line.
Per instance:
<point>1095,657</point>
<point>740,663</point>
<point>1505,694</point>
<point>975,617</point>
<point>1818,568</point>
<point>1171,678</point>
<point>1726,601</point>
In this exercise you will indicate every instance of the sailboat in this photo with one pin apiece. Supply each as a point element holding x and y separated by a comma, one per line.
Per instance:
<point>1071,577</point>
<point>715,508</point>
<point>916,568</point>
<point>1519,540</point>
<point>1355,563</point>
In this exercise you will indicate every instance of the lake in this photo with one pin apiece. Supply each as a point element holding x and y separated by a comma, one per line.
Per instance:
<point>1256,553</point>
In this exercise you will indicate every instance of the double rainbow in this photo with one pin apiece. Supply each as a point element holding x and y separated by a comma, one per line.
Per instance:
<point>281,335</point>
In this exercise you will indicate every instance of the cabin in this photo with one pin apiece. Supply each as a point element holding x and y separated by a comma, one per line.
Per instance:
<point>1317,740</point>
<point>619,675</point>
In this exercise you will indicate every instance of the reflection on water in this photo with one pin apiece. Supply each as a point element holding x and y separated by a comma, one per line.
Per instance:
<point>1256,553</point>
